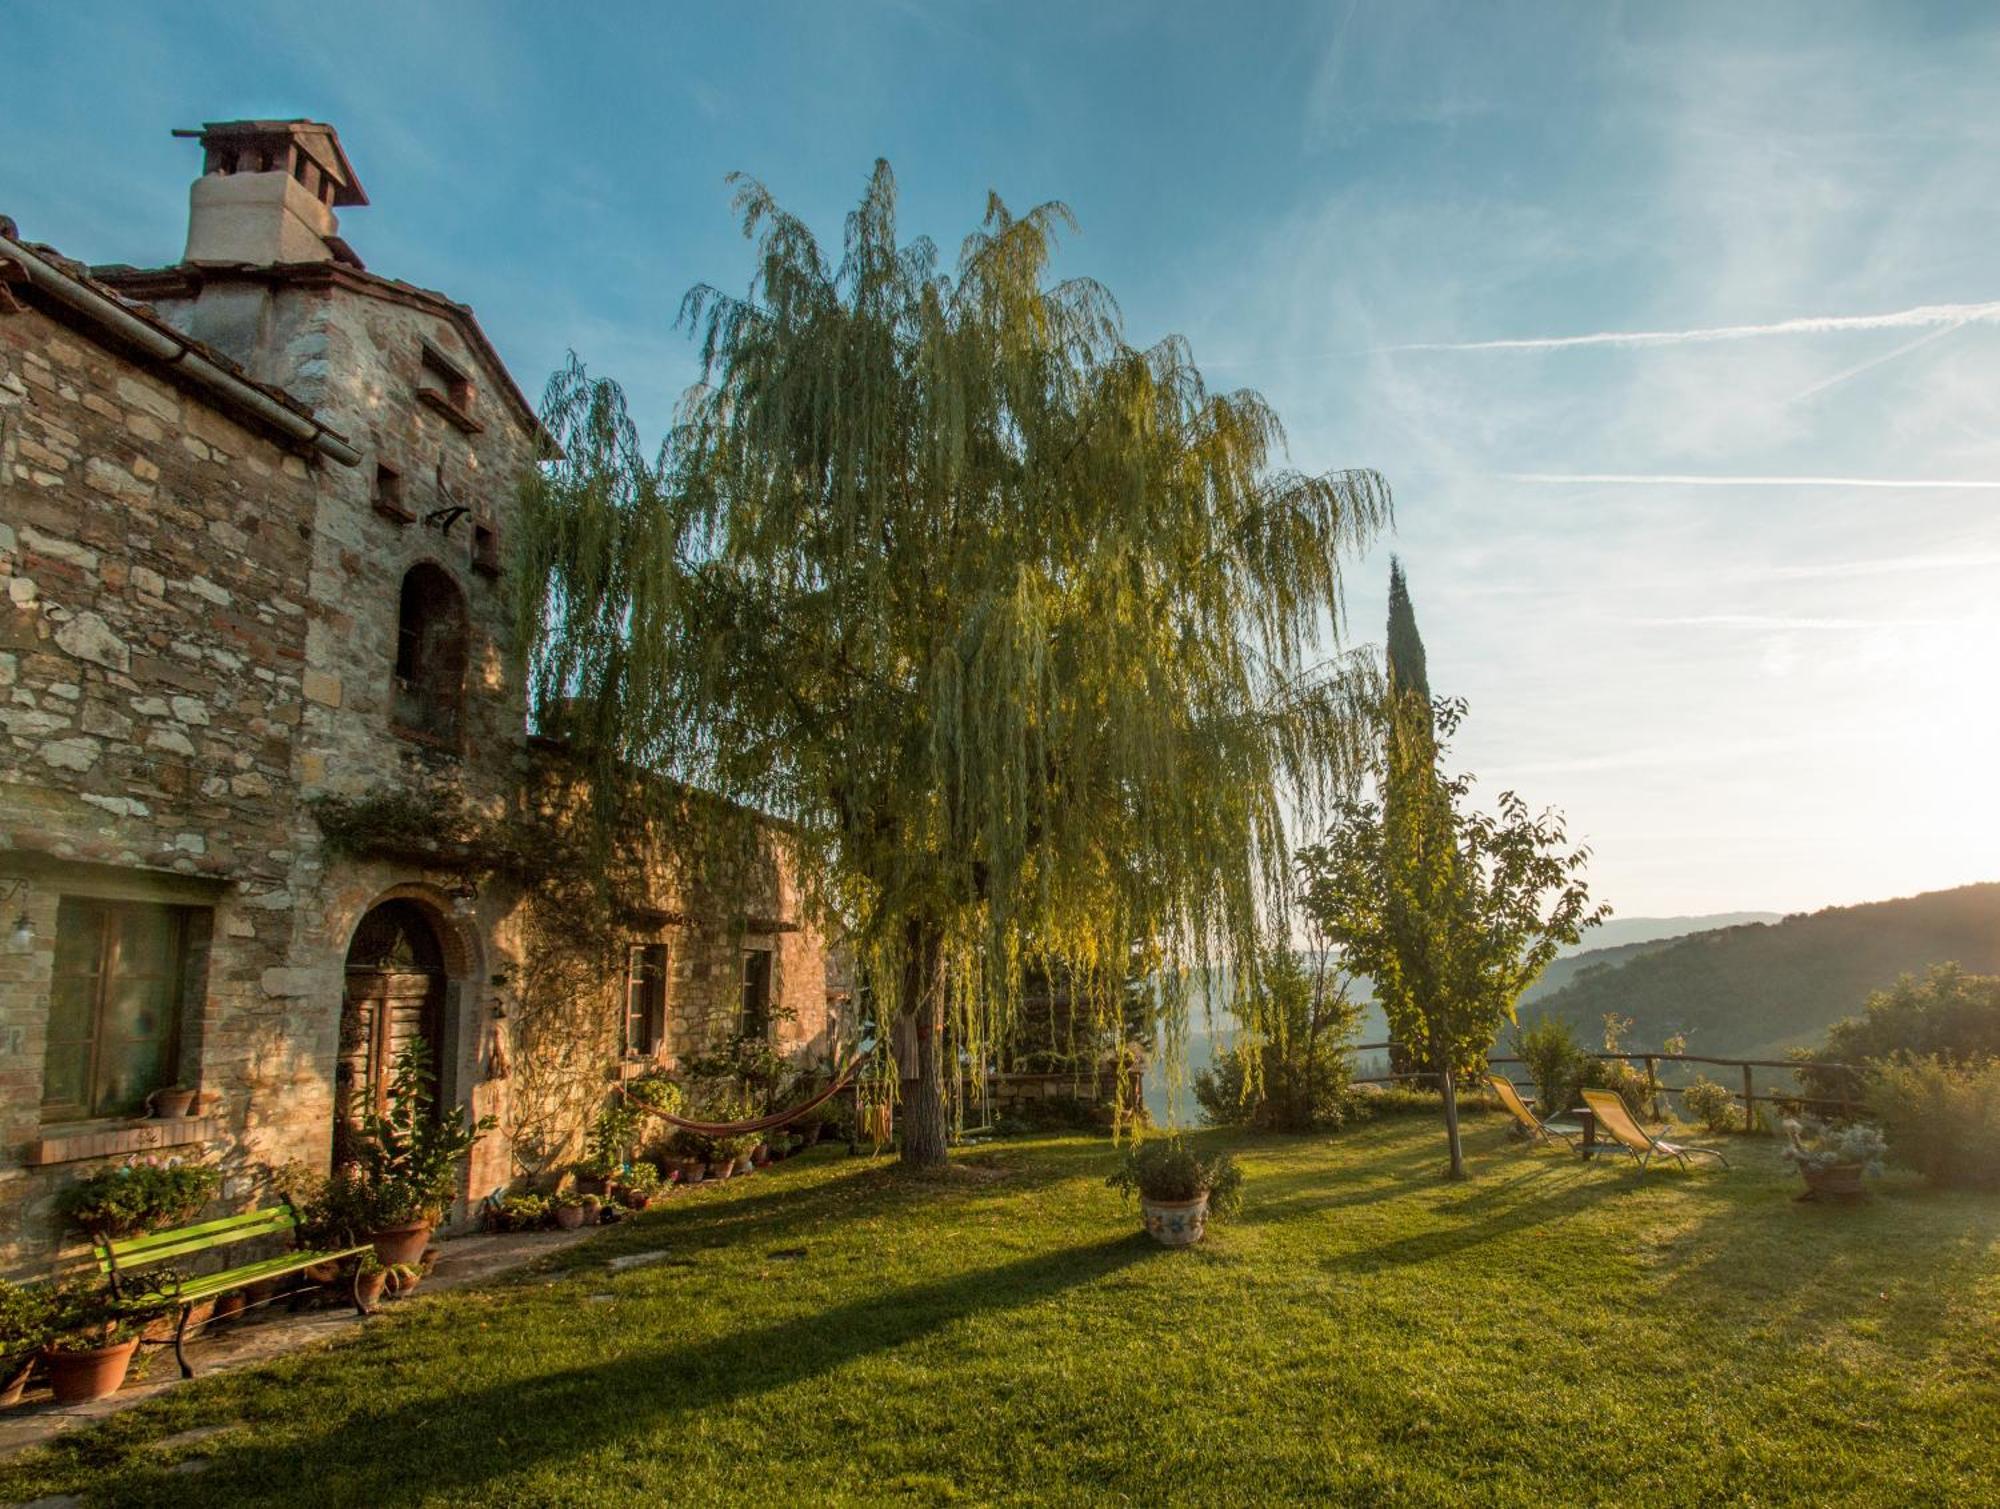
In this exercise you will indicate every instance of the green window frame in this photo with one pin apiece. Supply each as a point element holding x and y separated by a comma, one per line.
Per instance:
<point>115,1007</point>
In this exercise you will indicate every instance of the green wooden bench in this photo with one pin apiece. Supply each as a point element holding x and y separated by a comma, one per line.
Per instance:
<point>118,1258</point>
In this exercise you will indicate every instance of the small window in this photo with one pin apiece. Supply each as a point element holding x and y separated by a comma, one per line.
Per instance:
<point>645,999</point>
<point>431,655</point>
<point>388,498</point>
<point>443,385</point>
<point>756,1020</point>
<point>486,548</point>
<point>114,1007</point>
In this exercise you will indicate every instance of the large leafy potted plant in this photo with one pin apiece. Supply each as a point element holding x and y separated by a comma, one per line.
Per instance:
<point>1178,1188</point>
<point>24,1327</point>
<point>407,1161</point>
<point>91,1339</point>
<point>1833,1159</point>
<point>128,1199</point>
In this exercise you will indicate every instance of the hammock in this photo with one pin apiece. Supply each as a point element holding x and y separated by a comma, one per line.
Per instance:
<point>841,1080</point>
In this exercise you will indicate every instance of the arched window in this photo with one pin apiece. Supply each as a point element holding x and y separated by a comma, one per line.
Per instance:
<point>430,655</point>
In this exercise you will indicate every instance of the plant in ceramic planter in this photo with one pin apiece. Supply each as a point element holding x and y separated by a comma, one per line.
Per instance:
<point>25,1317</point>
<point>1178,1188</point>
<point>132,1198</point>
<point>90,1343</point>
<point>638,1186</point>
<point>407,1159</point>
<point>370,1279</point>
<point>1833,1159</point>
<point>403,1279</point>
<point>172,1103</point>
<point>522,1212</point>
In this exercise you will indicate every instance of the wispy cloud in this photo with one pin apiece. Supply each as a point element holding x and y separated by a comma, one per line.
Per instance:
<point>1690,479</point>
<point>1952,315</point>
<point>1778,621</point>
<point>1876,361</point>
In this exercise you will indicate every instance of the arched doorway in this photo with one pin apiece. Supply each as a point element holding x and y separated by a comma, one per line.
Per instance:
<point>395,995</point>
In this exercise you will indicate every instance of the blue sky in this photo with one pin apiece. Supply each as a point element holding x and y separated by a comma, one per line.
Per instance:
<point>1771,694</point>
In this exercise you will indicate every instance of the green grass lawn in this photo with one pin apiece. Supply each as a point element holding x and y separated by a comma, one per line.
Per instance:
<point>835,1331</point>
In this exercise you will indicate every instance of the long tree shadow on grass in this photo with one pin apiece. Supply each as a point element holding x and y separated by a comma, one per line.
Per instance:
<point>403,1454</point>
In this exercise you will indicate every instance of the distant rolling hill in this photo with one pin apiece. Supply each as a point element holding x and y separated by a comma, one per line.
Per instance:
<point>1754,990</point>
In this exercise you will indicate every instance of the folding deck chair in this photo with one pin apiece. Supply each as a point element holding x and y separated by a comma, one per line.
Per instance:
<point>1537,1129</point>
<point>1613,1117</point>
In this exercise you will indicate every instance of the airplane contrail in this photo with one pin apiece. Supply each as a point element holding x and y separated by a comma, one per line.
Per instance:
<point>1902,319</point>
<point>1681,479</point>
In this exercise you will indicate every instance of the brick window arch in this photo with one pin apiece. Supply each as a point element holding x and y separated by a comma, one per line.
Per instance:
<point>431,655</point>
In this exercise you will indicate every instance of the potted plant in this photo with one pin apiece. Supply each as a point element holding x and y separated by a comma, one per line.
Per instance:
<point>594,1175</point>
<point>403,1279</point>
<point>638,1186</point>
<point>593,1210</point>
<point>128,1199</point>
<point>567,1208</point>
<point>91,1341</point>
<point>24,1328</point>
<point>370,1279</point>
<point>1832,1160</point>
<point>522,1212</point>
<point>1178,1188</point>
<point>172,1103</point>
<point>406,1160</point>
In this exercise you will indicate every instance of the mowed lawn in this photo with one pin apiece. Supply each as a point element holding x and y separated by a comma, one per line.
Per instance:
<point>835,1331</point>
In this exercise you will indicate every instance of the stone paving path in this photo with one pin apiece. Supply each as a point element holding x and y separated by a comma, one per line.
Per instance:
<point>272,1332</point>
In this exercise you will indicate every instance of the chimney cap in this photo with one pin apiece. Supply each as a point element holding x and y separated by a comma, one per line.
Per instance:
<point>317,140</point>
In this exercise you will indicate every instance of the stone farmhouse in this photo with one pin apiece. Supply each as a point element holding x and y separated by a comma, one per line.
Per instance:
<point>254,514</point>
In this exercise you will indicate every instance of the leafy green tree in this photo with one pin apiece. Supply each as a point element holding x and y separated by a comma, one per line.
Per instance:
<point>1451,912</point>
<point>1291,1072</point>
<point>1014,625</point>
<point>1947,1013</point>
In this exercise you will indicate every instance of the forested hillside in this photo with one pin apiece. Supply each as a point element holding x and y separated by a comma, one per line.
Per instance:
<point>1755,990</point>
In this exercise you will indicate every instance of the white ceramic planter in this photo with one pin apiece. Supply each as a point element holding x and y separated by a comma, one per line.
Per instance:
<point>1175,1223</point>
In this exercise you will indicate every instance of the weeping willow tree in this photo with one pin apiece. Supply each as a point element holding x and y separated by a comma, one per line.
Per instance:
<point>1021,631</point>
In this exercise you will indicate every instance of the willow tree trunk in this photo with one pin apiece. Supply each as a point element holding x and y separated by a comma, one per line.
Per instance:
<point>923,1003</point>
<point>1451,1122</point>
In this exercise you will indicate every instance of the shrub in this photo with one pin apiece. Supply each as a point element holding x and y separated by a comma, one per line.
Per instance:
<point>1170,1171</point>
<point>523,1212</point>
<point>1301,1074</point>
<point>24,1321</point>
<point>131,1198</point>
<point>1554,1061</point>
<point>1711,1104</point>
<point>333,1209</point>
<point>1943,1119</point>
<point>1947,1015</point>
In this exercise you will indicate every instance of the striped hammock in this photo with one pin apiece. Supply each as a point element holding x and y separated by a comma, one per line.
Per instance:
<point>841,1080</point>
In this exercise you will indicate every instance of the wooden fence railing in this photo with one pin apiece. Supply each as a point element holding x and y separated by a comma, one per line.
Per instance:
<point>1749,1095</point>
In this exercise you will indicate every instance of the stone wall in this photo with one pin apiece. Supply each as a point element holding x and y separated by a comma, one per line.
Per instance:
<point>153,554</point>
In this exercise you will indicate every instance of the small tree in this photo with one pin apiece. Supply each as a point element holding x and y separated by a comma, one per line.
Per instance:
<point>1452,912</point>
<point>1290,1072</point>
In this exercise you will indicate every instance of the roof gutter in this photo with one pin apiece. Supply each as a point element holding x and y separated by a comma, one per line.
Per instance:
<point>157,343</point>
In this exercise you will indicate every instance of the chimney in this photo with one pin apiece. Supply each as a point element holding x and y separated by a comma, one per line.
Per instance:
<point>267,193</point>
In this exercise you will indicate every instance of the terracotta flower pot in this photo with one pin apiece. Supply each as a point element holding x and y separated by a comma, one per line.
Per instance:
<point>1175,1223</point>
<point>722,1170</point>
<point>569,1217</point>
<point>400,1244</point>
<point>79,1377</point>
<point>760,1155</point>
<point>227,1306</point>
<point>402,1285</point>
<point>171,1105</point>
<point>14,1378</point>
<point>1841,1182</point>
<point>745,1163</point>
<point>368,1288</point>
